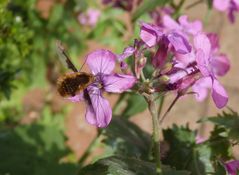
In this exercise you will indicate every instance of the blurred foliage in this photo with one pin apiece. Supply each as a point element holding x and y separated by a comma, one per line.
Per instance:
<point>126,138</point>
<point>35,149</point>
<point>202,158</point>
<point>14,48</point>
<point>126,166</point>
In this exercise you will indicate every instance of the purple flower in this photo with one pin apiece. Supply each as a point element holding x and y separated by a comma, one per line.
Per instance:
<point>183,25</point>
<point>229,6</point>
<point>232,167</point>
<point>101,64</point>
<point>153,35</point>
<point>158,14</point>
<point>128,51</point>
<point>90,17</point>
<point>200,139</point>
<point>205,64</point>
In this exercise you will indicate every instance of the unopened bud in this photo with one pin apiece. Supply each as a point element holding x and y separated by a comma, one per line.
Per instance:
<point>164,79</point>
<point>167,67</point>
<point>142,61</point>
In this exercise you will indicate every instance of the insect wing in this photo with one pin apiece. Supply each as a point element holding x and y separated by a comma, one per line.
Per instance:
<point>64,57</point>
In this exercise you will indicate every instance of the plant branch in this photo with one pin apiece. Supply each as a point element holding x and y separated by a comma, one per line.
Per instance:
<point>156,132</point>
<point>169,108</point>
<point>194,4</point>
<point>160,106</point>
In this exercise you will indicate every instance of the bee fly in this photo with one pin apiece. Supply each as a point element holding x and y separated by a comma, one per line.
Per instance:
<point>72,83</point>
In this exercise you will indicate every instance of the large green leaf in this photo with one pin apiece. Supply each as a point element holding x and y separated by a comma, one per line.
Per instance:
<point>185,154</point>
<point>229,121</point>
<point>125,166</point>
<point>127,139</point>
<point>135,104</point>
<point>34,150</point>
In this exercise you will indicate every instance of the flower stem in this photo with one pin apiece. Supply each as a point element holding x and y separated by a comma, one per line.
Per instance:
<point>156,132</point>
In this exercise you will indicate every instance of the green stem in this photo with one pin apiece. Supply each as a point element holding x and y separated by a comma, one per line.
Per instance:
<point>169,108</point>
<point>160,106</point>
<point>89,149</point>
<point>156,132</point>
<point>178,9</point>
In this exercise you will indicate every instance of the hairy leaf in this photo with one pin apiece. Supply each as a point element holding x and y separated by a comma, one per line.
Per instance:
<point>229,121</point>
<point>185,154</point>
<point>135,104</point>
<point>125,138</point>
<point>125,166</point>
<point>34,150</point>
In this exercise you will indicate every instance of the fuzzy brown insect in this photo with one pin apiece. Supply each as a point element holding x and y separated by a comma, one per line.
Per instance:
<point>72,83</point>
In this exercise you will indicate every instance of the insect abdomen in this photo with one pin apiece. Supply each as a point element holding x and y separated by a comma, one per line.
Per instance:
<point>73,83</point>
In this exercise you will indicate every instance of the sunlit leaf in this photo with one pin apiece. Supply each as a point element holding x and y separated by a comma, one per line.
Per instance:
<point>125,138</point>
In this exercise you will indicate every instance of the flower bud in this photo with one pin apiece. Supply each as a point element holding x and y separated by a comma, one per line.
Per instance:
<point>167,67</point>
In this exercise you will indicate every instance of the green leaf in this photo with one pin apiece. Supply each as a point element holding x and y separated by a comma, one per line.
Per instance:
<point>147,6</point>
<point>135,104</point>
<point>125,166</point>
<point>34,150</point>
<point>185,154</point>
<point>125,138</point>
<point>229,121</point>
<point>218,137</point>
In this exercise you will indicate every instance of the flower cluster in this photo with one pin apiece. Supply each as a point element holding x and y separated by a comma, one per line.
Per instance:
<point>228,6</point>
<point>183,56</point>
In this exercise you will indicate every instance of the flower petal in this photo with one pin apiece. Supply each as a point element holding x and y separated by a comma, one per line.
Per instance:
<point>150,34</point>
<point>76,98</point>
<point>214,40</point>
<point>180,44</point>
<point>201,88</point>
<point>128,51</point>
<point>232,167</point>
<point>170,23</point>
<point>190,27</point>
<point>99,111</point>
<point>220,65</point>
<point>221,5</point>
<point>101,61</point>
<point>203,63</point>
<point>90,115</point>
<point>201,41</point>
<point>219,94</point>
<point>160,57</point>
<point>118,83</point>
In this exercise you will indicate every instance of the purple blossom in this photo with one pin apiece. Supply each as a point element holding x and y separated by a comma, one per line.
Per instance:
<point>229,6</point>
<point>101,64</point>
<point>153,35</point>
<point>232,167</point>
<point>183,26</point>
<point>200,139</point>
<point>90,17</point>
<point>128,51</point>
<point>205,64</point>
<point>158,14</point>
